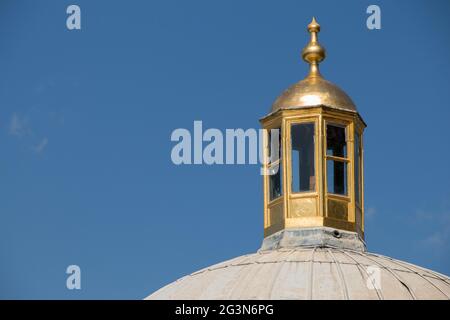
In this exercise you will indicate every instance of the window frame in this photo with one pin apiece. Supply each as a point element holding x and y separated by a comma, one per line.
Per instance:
<point>314,122</point>
<point>313,119</point>
<point>279,162</point>
<point>358,181</point>
<point>346,160</point>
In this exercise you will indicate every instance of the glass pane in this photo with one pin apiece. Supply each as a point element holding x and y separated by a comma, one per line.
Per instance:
<point>357,169</point>
<point>303,172</point>
<point>336,144</point>
<point>337,177</point>
<point>274,146</point>
<point>275,186</point>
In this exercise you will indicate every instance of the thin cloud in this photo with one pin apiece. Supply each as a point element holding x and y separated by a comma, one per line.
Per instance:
<point>19,126</point>
<point>440,237</point>
<point>39,148</point>
<point>370,212</point>
<point>437,239</point>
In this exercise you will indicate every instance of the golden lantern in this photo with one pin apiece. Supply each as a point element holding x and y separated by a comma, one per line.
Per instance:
<point>318,179</point>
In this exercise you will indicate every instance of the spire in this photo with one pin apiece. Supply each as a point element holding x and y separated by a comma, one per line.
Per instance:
<point>313,53</point>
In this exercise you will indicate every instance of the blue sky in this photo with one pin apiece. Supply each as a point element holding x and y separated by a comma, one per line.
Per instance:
<point>86,118</point>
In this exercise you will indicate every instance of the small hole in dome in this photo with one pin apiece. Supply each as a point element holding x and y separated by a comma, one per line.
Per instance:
<point>337,234</point>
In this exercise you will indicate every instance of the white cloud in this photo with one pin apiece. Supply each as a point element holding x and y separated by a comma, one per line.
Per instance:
<point>19,126</point>
<point>440,221</point>
<point>436,239</point>
<point>370,212</point>
<point>39,148</point>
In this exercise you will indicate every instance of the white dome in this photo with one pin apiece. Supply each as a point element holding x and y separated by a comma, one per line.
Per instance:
<point>308,273</point>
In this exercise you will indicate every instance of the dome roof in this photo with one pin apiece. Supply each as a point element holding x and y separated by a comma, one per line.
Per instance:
<point>308,273</point>
<point>314,91</point>
<point>316,262</point>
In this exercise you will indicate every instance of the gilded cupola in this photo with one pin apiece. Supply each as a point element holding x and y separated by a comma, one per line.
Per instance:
<point>316,181</point>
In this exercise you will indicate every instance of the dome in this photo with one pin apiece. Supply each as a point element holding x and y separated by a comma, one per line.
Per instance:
<point>314,91</point>
<point>308,273</point>
<point>313,248</point>
<point>310,263</point>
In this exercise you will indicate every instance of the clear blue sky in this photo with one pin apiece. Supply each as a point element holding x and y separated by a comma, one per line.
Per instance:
<point>86,116</point>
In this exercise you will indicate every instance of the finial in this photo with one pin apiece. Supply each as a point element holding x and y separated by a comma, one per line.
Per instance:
<point>313,53</point>
<point>314,26</point>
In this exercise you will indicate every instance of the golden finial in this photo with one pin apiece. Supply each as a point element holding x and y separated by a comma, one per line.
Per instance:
<point>313,53</point>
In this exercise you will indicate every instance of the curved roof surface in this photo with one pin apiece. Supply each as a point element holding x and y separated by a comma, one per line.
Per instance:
<point>309,273</point>
<point>313,91</point>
